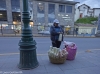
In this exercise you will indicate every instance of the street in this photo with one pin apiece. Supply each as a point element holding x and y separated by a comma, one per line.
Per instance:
<point>10,44</point>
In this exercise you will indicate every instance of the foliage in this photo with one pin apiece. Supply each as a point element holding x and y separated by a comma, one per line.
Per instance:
<point>87,20</point>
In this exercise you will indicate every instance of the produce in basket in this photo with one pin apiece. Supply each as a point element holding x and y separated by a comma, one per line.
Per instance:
<point>57,52</point>
<point>57,55</point>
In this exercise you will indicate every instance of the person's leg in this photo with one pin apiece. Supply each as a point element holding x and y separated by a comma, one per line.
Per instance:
<point>54,44</point>
<point>76,32</point>
<point>58,44</point>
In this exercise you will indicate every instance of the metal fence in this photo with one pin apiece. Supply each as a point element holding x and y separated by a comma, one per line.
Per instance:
<point>44,30</point>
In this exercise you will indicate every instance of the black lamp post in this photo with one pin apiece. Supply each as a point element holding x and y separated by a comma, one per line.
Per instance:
<point>28,58</point>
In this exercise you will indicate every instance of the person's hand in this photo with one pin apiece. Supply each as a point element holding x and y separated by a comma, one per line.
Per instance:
<point>60,32</point>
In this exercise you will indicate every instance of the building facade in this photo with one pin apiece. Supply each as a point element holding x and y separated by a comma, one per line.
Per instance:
<point>42,12</point>
<point>85,10</point>
<point>10,14</point>
<point>96,12</point>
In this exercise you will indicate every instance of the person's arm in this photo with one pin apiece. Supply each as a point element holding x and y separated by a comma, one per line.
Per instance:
<point>62,31</point>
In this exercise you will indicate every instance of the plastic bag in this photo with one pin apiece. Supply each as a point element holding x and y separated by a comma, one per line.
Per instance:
<point>60,37</point>
<point>71,48</point>
<point>69,43</point>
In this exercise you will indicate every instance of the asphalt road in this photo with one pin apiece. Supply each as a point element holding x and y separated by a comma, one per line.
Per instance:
<point>10,44</point>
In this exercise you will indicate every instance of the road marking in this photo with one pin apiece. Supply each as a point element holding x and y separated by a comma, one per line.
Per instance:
<point>43,42</point>
<point>8,54</point>
<point>90,50</point>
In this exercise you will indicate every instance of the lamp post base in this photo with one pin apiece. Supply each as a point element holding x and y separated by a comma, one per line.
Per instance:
<point>28,59</point>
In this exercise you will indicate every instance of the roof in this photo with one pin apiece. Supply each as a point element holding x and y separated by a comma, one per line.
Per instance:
<point>96,8</point>
<point>59,1</point>
<point>85,5</point>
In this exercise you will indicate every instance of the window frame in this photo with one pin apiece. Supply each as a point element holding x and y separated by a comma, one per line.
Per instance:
<point>53,13</point>
<point>71,8</point>
<point>64,8</point>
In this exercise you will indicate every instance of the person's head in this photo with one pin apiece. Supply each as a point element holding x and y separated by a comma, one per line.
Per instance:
<point>55,22</point>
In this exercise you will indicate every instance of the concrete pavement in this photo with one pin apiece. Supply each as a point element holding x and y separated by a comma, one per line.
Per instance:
<point>86,62</point>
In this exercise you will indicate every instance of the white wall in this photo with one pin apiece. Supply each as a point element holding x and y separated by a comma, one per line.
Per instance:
<point>86,30</point>
<point>77,15</point>
<point>83,9</point>
<point>96,12</point>
<point>80,10</point>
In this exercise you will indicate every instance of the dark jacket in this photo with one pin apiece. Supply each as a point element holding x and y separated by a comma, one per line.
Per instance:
<point>54,34</point>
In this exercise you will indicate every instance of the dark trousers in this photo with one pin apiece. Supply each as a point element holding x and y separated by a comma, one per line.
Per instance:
<point>56,44</point>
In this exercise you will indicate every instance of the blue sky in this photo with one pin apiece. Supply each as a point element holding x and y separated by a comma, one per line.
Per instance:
<point>91,3</point>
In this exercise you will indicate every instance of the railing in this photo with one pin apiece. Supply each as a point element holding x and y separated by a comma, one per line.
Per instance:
<point>44,30</point>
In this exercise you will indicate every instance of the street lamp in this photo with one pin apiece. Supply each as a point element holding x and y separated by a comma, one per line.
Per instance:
<point>28,58</point>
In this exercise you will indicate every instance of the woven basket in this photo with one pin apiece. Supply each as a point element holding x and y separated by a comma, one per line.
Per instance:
<point>58,60</point>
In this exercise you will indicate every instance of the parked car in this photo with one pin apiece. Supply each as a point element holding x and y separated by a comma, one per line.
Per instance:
<point>44,32</point>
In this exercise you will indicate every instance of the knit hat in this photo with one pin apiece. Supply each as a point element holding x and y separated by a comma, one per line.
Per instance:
<point>55,21</point>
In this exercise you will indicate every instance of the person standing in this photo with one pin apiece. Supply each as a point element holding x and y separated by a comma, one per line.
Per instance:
<point>56,34</point>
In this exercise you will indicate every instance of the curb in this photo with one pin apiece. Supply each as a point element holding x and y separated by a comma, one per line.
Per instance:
<point>49,36</point>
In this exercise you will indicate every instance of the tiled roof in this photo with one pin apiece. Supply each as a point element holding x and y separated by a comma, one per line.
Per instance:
<point>85,5</point>
<point>96,8</point>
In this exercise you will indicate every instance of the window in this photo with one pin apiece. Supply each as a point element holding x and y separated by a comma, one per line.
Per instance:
<point>40,13</point>
<point>51,8</point>
<point>31,10</point>
<point>16,16</point>
<point>3,15</point>
<point>3,11</point>
<point>51,13</point>
<point>40,18</point>
<point>62,8</point>
<point>2,4</point>
<point>40,7</point>
<point>68,9</point>
<point>15,4</point>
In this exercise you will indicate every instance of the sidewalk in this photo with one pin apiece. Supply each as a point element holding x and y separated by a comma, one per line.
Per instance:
<point>86,62</point>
